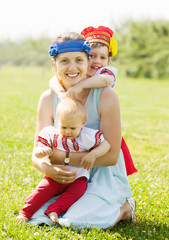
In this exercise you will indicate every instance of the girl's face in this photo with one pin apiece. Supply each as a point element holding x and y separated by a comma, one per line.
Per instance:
<point>71,67</point>
<point>99,57</point>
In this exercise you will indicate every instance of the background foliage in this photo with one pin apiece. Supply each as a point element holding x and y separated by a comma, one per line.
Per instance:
<point>143,50</point>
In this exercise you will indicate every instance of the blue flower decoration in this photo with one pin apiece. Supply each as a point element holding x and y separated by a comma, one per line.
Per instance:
<point>86,47</point>
<point>53,50</point>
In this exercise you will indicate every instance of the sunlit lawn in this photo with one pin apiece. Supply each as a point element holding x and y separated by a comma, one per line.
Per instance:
<point>145,115</point>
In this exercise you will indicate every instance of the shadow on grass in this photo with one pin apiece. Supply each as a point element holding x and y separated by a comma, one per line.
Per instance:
<point>142,230</point>
<point>138,230</point>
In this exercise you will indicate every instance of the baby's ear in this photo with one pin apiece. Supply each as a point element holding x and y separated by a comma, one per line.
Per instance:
<point>84,123</point>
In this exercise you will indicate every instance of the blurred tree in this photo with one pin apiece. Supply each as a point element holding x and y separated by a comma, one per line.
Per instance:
<point>143,48</point>
<point>27,52</point>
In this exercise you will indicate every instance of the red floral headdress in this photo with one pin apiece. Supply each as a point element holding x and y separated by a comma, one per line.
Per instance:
<point>103,35</point>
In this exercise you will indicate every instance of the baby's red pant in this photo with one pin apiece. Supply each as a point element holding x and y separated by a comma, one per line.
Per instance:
<point>48,188</point>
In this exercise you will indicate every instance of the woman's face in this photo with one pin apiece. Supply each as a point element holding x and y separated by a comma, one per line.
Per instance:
<point>99,57</point>
<point>71,67</point>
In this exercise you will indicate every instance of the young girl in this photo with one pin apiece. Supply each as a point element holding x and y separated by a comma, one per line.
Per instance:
<point>99,74</point>
<point>71,136</point>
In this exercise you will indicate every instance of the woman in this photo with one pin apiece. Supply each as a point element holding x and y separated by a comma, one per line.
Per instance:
<point>105,201</point>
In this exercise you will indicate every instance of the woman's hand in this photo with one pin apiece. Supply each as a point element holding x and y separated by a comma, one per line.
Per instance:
<point>59,173</point>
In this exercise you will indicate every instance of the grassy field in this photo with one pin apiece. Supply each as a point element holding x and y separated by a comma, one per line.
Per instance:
<point>145,114</point>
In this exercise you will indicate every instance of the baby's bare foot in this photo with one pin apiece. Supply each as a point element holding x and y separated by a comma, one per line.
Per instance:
<point>53,217</point>
<point>22,219</point>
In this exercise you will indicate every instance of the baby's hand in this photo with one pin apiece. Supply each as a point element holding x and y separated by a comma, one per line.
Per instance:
<point>41,152</point>
<point>73,91</point>
<point>88,160</point>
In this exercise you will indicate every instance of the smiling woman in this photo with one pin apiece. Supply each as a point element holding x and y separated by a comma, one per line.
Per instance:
<point>107,199</point>
<point>70,65</point>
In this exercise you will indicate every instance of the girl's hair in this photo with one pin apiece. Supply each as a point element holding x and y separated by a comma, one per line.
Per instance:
<point>97,44</point>
<point>71,108</point>
<point>69,36</point>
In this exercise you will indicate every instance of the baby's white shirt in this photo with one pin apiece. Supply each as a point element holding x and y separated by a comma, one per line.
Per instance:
<point>88,138</point>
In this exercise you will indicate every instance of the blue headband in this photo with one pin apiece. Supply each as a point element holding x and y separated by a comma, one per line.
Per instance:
<point>69,46</point>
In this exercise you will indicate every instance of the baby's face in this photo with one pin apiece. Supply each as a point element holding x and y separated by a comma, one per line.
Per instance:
<point>70,127</point>
<point>99,57</point>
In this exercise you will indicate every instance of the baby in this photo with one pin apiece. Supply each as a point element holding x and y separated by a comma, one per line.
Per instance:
<point>71,136</point>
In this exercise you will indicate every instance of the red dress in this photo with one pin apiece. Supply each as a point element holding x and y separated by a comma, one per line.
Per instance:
<point>130,168</point>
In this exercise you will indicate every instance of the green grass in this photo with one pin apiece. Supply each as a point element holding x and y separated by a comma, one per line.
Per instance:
<point>145,114</point>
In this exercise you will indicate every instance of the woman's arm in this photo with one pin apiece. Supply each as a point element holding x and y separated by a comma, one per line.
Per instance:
<point>45,118</point>
<point>110,125</point>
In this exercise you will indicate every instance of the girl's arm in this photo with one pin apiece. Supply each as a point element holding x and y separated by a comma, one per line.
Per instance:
<point>105,76</point>
<point>56,87</point>
<point>97,81</point>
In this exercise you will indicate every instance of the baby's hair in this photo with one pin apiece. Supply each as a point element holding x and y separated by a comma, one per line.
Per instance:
<point>71,108</point>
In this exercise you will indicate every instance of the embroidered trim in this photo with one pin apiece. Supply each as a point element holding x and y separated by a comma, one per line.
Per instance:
<point>103,35</point>
<point>109,72</point>
<point>43,141</point>
<point>98,36</point>
<point>65,145</point>
<point>55,138</point>
<point>75,145</point>
<point>98,137</point>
